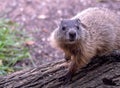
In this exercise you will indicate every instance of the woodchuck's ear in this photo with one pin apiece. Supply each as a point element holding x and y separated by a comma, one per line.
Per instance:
<point>82,24</point>
<point>61,21</point>
<point>58,23</point>
<point>78,20</point>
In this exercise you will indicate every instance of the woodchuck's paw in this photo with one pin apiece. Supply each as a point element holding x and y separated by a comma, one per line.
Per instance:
<point>66,79</point>
<point>67,58</point>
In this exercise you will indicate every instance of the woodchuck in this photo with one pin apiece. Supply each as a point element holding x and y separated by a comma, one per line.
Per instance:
<point>92,32</point>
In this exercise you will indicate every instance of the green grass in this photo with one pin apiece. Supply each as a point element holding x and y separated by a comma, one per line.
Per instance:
<point>12,46</point>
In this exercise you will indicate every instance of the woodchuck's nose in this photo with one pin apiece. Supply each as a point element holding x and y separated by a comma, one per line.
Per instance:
<point>72,35</point>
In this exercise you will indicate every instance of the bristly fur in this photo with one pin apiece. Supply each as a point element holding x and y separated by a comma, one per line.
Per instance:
<point>100,36</point>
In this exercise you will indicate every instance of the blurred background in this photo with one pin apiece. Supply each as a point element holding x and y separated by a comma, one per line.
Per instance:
<point>25,26</point>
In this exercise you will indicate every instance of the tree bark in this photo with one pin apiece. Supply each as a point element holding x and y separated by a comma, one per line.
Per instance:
<point>100,73</point>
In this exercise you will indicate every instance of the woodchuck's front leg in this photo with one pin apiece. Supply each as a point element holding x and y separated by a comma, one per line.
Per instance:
<point>67,57</point>
<point>68,76</point>
<point>71,71</point>
<point>76,62</point>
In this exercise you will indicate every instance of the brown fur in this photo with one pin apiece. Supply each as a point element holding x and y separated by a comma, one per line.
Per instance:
<point>101,36</point>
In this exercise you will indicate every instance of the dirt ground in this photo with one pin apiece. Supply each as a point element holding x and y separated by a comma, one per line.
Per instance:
<point>39,18</point>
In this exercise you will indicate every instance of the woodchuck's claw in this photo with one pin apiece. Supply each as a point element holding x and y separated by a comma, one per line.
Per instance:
<point>66,79</point>
<point>67,58</point>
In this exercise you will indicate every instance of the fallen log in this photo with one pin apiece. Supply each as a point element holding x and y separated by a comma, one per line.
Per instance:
<point>100,73</point>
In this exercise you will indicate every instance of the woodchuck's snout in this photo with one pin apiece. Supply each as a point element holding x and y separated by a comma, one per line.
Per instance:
<point>72,34</point>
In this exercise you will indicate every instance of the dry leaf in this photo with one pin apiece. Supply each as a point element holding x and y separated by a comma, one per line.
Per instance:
<point>45,30</point>
<point>29,43</point>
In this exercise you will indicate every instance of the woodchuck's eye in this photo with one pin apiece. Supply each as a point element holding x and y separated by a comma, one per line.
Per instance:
<point>63,28</point>
<point>78,27</point>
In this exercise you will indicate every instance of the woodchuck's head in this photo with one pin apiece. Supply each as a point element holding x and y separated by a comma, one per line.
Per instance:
<point>69,31</point>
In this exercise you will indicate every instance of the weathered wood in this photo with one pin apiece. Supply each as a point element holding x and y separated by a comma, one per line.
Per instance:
<point>100,73</point>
